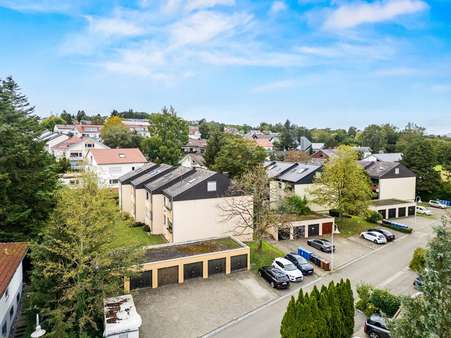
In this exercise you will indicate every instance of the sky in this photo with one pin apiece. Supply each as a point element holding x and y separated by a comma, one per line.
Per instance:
<point>317,63</point>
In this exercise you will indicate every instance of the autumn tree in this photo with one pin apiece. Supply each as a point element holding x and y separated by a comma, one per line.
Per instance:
<point>296,156</point>
<point>343,184</point>
<point>115,134</point>
<point>50,122</point>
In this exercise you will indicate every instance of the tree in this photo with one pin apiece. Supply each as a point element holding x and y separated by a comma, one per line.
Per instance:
<point>336,324</point>
<point>206,129</point>
<point>428,315</point>
<point>347,305</point>
<point>410,133</point>
<point>289,322</point>
<point>294,204</point>
<point>116,135</point>
<point>168,134</point>
<point>28,175</point>
<point>287,137</point>
<point>418,260</point>
<point>238,156</point>
<point>296,156</point>
<point>50,122</point>
<point>81,115</point>
<point>215,143</point>
<point>74,266</point>
<point>374,137</point>
<point>68,118</point>
<point>343,185</point>
<point>419,157</point>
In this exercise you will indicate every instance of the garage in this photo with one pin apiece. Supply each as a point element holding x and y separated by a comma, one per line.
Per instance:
<point>411,211</point>
<point>327,228</point>
<point>283,234</point>
<point>238,263</point>
<point>392,213</point>
<point>299,232</point>
<point>383,213</point>
<point>168,275</point>
<point>216,266</point>
<point>141,280</point>
<point>402,212</point>
<point>193,270</point>
<point>313,230</point>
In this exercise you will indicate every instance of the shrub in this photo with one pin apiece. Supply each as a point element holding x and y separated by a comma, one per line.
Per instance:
<point>146,228</point>
<point>374,217</point>
<point>418,260</point>
<point>405,229</point>
<point>385,301</point>
<point>364,293</point>
<point>138,224</point>
<point>295,205</point>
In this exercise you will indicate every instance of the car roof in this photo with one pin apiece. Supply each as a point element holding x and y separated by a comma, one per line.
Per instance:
<point>282,260</point>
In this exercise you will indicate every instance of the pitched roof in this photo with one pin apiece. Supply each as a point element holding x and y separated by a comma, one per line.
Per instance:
<point>69,142</point>
<point>299,172</point>
<point>135,173</point>
<point>82,127</point>
<point>181,186</point>
<point>11,255</point>
<point>154,173</point>
<point>169,178</point>
<point>277,168</point>
<point>378,169</point>
<point>263,142</point>
<point>201,143</point>
<point>118,156</point>
<point>387,157</point>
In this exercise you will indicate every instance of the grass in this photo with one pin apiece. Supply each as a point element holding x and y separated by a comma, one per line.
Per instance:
<point>124,235</point>
<point>265,256</point>
<point>353,226</point>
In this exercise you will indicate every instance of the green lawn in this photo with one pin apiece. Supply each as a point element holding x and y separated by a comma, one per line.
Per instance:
<point>265,256</point>
<point>353,226</point>
<point>133,236</point>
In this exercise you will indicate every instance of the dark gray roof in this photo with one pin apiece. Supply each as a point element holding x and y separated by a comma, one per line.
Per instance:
<point>277,168</point>
<point>299,172</point>
<point>188,182</point>
<point>378,169</point>
<point>126,178</point>
<point>387,157</point>
<point>168,178</point>
<point>138,182</point>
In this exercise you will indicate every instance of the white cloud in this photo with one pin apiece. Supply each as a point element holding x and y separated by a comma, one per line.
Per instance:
<point>202,4</point>
<point>44,6</point>
<point>397,72</point>
<point>278,6</point>
<point>274,86</point>
<point>355,14</point>
<point>114,26</point>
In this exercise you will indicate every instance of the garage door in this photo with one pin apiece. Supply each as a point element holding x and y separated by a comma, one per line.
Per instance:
<point>392,213</point>
<point>284,234</point>
<point>238,263</point>
<point>411,211</point>
<point>193,270</point>
<point>141,280</point>
<point>327,228</point>
<point>216,266</point>
<point>299,232</point>
<point>168,275</point>
<point>313,230</point>
<point>401,212</point>
<point>383,213</point>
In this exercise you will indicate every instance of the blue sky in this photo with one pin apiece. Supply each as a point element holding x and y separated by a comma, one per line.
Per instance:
<point>318,63</point>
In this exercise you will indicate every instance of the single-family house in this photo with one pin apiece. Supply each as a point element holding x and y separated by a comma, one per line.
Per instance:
<point>193,161</point>
<point>317,146</point>
<point>138,126</point>
<point>67,129</point>
<point>265,143</point>
<point>194,133</point>
<point>384,157</point>
<point>11,282</point>
<point>324,154</point>
<point>195,146</point>
<point>88,130</point>
<point>110,164</point>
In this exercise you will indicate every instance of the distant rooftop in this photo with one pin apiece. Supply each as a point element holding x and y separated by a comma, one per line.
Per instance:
<point>170,177</point>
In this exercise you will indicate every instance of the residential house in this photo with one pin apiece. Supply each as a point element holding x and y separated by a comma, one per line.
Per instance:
<point>88,130</point>
<point>363,151</point>
<point>324,154</point>
<point>265,144</point>
<point>194,133</point>
<point>110,164</point>
<point>384,157</point>
<point>51,139</point>
<point>66,129</point>
<point>196,146</point>
<point>289,178</point>
<point>11,281</point>
<point>317,146</point>
<point>138,126</point>
<point>193,161</point>
<point>304,145</point>
<point>75,149</point>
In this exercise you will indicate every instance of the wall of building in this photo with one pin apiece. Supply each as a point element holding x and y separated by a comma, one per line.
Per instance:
<point>398,188</point>
<point>197,219</point>
<point>140,207</point>
<point>107,172</point>
<point>125,198</point>
<point>158,226</point>
<point>14,288</point>
<point>304,190</point>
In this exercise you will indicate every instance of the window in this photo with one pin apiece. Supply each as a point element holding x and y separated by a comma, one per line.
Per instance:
<point>397,171</point>
<point>211,186</point>
<point>89,145</point>
<point>115,181</point>
<point>4,329</point>
<point>147,195</point>
<point>7,293</point>
<point>170,226</point>
<point>18,298</point>
<point>11,312</point>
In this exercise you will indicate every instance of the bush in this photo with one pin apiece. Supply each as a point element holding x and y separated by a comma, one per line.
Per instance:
<point>138,224</point>
<point>364,293</point>
<point>372,300</point>
<point>146,228</point>
<point>295,205</point>
<point>406,230</point>
<point>418,260</point>
<point>374,217</point>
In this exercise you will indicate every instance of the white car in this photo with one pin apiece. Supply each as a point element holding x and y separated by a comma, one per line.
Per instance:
<point>423,211</point>
<point>437,204</point>
<point>374,237</point>
<point>284,265</point>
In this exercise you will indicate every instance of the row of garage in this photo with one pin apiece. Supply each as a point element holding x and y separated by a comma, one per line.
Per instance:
<point>305,228</point>
<point>393,208</point>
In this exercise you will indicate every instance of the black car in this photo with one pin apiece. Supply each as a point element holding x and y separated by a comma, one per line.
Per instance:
<point>301,263</point>
<point>321,244</point>
<point>375,327</point>
<point>387,234</point>
<point>418,283</point>
<point>275,277</point>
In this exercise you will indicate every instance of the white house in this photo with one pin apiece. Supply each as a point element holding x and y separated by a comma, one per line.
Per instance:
<point>66,129</point>
<point>11,280</point>
<point>110,164</point>
<point>88,130</point>
<point>194,133</point>
<point>139,126</point>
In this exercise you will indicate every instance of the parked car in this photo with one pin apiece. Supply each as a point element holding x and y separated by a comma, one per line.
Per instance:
<point>301,263</point>
<point>418,283</point>
<point>284,265</point>
<point>387,234</point>
<point>437,204</point>
<point>423,211</point>
<point>321,244</point>
<point>275,277</point>
<point>375,327</point>
<point>374,237</point>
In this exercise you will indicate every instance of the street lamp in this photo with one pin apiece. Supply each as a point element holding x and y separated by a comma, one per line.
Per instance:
<point>38,332</point>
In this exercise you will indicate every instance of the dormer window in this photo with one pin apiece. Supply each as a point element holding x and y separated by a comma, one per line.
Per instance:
<point>211,186</point>
<point>122,155</point>
<point>396,171</point>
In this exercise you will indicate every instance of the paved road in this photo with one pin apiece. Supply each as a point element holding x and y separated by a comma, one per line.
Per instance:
<point>385,267</point>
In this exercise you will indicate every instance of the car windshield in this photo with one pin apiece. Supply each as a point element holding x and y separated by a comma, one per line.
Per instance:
<point>290,267</point>
<point>302,260</point>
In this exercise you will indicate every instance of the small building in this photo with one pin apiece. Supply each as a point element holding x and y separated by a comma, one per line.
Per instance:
<point>121,318</point>
<point>71,179</point>
<point>305,226</point>
<point>88,130</point>
<point>174,263</point>
<point>317,146</point>
<point>384,157</point>
<point>393,208</point>
<point>110,164</point>
<point>324,154</point>
<point>138,126</point>
<point>11,282</point>
<point>304,145</point>
<point>265,144</point>
<point>193,161</point>
<point>195,146</point>
<point>194,133</point>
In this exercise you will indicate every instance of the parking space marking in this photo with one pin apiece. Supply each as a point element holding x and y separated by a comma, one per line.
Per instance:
<point>394,277</point>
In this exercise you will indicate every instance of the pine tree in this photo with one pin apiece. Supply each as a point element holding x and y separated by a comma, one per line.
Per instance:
<point>318,321</point>
<point>315,292</point>
<point>336,320</point>
<point>325,312</point>
<point>288,325</point>
<point>348,307</point>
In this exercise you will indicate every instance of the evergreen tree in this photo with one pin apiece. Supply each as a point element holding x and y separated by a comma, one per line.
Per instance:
<point>28,176</point>
<point>325,312</point>
<point>318,322</point>
<point>336,321</point>
<point>288,326</point>
<point>346,299</point>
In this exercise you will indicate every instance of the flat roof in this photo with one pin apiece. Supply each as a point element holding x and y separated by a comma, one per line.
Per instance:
<point>390,201</point>
<point>311,216</point>
<point>171,251</point>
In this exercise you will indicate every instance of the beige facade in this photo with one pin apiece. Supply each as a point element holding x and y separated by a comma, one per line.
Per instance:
<point>125,198</point>
<point>324,224</point>
<point>279,190</point>
<point>393,208</point>
<point>400,188</point>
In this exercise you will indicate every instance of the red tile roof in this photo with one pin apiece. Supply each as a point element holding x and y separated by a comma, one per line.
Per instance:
<point>263,142</point>
<point>81,127</point>
<point>67,143</point>
<point>116,156</point>
<point>11,254</point>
